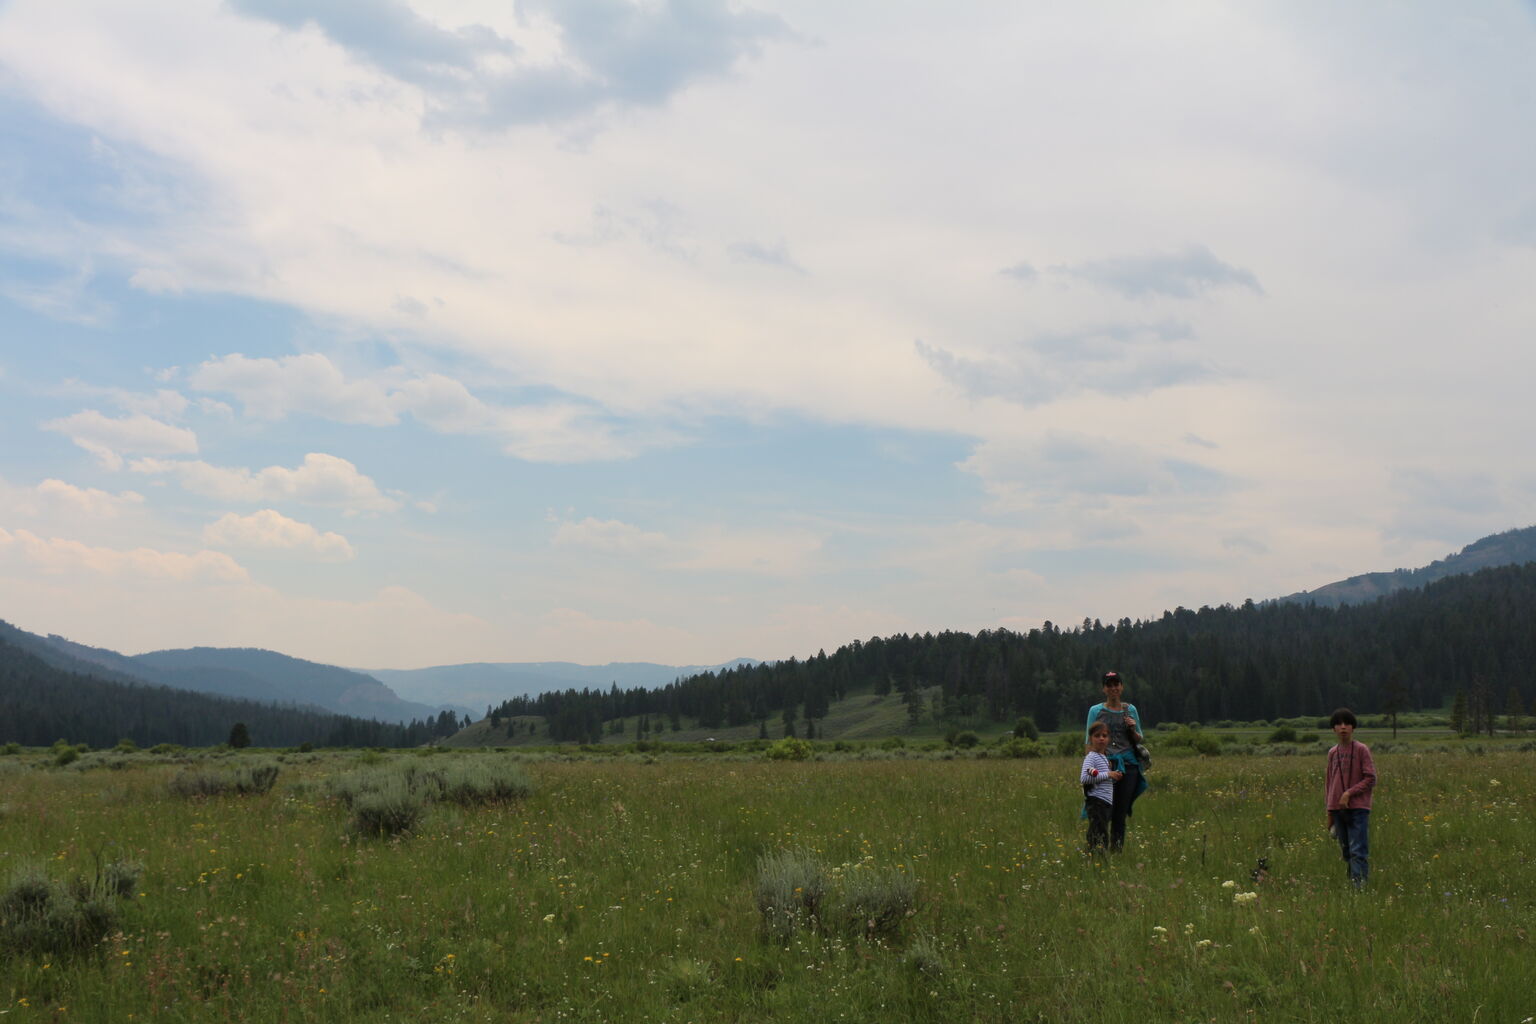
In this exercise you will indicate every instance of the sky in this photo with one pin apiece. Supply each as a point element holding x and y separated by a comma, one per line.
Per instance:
<point>392,334</point>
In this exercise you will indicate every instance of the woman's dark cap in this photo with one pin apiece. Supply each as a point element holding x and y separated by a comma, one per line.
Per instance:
<point>1111,677</point>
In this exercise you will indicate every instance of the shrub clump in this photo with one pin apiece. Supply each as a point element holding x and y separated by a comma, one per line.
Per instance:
<point>390,810</point>
<point>243,780</point>
<point>791,889</point>
<point>480,783</point>
<point>1015,746</point>
<point>795,890</point>
<point>1193,738</point>
<point>1070,744</point>
<point>42,915</point>
<point>389,801</point>
<point>874,902</point>
<point>788,749</point>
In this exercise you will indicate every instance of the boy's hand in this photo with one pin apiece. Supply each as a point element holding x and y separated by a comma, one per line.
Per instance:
<point>1330,821</point>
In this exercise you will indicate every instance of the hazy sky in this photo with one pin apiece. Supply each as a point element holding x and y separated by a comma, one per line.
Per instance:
<point>393,334</point>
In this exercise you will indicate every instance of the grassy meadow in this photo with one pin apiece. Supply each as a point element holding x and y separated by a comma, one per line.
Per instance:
<point>947,887</point>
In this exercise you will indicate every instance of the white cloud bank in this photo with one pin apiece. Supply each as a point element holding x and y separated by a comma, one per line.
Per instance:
<point>59,555</point>
<point>110,439</point>
<point>311,384</point>
<point>321,479</point>
<point>270,529</point>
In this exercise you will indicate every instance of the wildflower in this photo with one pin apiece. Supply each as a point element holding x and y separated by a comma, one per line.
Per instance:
<point>1229,884</point>
<point>1203,944</point>
<point>1254,930</point>
<point>549,918</point>
<point>1244,897</point>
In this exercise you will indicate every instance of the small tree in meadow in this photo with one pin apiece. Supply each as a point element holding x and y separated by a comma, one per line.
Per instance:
<point>239,736</point>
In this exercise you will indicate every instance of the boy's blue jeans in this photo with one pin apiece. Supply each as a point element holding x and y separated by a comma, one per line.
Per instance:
<point>1352,828</point>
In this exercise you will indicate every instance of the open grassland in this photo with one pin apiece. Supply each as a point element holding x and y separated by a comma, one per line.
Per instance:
<point>629,889</point>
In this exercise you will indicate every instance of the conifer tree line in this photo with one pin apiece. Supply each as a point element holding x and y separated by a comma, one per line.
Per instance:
<point>40,704</point>
<point>1473,635</point>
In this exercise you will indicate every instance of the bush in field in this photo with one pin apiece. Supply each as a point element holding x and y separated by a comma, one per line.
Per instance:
<point>480,782</point>
<point>388,801</point>
<point>1026,729</point>
<point>391,809</point>
<point>1070,744</point>
<point>11,748</point>
<point>925,956</point>
<point>791,888</point>
<point>42,915</point>
<point>874,902</point>
<point>1194,739</point>
<point>1284,734</point>
<point>243,780</point>
<point>788,749</point>
<point>1016,747</point>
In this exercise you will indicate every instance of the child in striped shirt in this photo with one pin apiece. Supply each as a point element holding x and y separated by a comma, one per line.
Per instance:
<point>1098,780</point>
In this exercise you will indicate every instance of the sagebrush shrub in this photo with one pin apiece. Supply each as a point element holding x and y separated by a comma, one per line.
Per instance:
<point>791,888</point>
<point>41,915</point>
<point>391,809</point>
<point>874,902</point>
<point>479,783</point>
<point>243,780</point>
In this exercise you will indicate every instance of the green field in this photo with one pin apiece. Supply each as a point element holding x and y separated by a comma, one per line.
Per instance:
<point>625,888</point>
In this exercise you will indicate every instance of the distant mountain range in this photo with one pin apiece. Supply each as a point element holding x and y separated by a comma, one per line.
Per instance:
<point>487,683</point>
<point>1512,547</point>
<point>244,673</point>
<point>404,695</point>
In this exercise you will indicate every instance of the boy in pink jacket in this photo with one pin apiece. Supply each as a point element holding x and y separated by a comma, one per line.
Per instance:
<point>1351,777</point>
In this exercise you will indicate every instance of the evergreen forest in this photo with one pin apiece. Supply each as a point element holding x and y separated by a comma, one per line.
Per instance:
<point>1470,635</point>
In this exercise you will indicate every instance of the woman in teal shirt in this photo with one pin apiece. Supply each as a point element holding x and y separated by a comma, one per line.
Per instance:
<point>1124,723</point>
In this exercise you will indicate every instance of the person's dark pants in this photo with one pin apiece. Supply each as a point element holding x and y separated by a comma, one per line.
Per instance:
<point>1125,795</point>
<point>1098,823</point>
<point>1352,828</point>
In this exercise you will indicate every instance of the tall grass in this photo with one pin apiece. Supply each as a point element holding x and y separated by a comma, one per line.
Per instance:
<point>618,890</point>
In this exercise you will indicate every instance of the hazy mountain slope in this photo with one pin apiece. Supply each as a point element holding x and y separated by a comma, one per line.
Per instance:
<point>1513,547</point>
<point>68,656</point>
<point>41,703</point>
<point>476,685</point>
<point>268,675</point>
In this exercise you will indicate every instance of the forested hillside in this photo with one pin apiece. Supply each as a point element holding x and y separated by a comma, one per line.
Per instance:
<point>1512,547</point>
<point>40,703</point>
<point>1475,634</point>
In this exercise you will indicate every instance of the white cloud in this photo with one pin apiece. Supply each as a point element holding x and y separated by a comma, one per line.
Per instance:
<point>59,555</point>
<point>554,62</point>
<point>310,384</point>
<point>88,501</point>
<point>110,439</point>
<point>271,529</point>
<point>611,536</point>
<point>322,479</point>
<point>1063,465</point>
<point>163,404</point>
